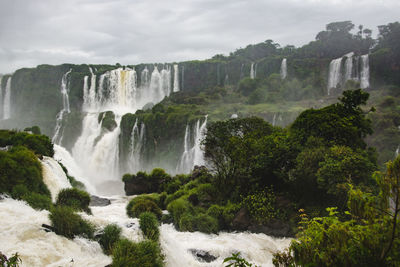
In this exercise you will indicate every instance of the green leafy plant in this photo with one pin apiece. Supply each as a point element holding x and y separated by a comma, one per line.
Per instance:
<point>111,235</point>
<point>149,225</point>
<point>237,261</point>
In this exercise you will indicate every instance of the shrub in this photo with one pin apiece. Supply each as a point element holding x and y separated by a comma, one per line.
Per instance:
<point>174,196</point>
<point>261,205</point>
<point>200,222</point>
<point>143,254</point>
<point>38,201</point>
<point>177,208</point>
<point>74,198</point>
<point>136,207</point>
<point>110,236</point>
<point>13,261</point>
<point>70,224</point>
<point>149,225</point>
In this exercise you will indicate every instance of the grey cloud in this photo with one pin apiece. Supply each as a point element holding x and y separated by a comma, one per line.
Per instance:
<point>135,31</point>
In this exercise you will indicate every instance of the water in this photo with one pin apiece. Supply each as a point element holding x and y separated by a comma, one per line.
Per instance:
<point>7,100</point>
<point>283,69</point>
<point>334,74</point>
<point>348,66</point>
<point>21,232</point>
<point>252,71</point>
<point>64,89</point>
<point>256,248</point>
<point>193,154</point>
<point>364,73</point>
<point>136,144</point>
<point>54,176</point>
<point>176,78</point>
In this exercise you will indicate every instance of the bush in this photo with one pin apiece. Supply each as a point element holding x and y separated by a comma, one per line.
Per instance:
<point>136,207</point>
<point>143,254</point>
<point>149,225</point>
<point>261,206</point>
<point>177,208</point>
<point>174,196</point>
<point>224,214</point>
<point>38,201</point>
<point>110,236</point>
<point>76,199</point>
<point>70,224</point>
<point>200,222</point>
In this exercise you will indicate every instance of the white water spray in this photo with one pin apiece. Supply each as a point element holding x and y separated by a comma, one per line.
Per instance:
<point>7,100</point>
<point>54,176</point>
<point>334,74</point>
<point>176,78</point>
<point>364,73</point>
<point>348,65</point>
<point>57,137</point>
<point>252,71</point>
<point>193,154</point>
<point>283,69</point>
<point>136,145</point>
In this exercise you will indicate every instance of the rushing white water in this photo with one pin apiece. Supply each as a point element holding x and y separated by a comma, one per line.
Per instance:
<point>193,154</point>
<point>256,248</point>
<point>136,144</point>
<point>252,71</point>
<point>176,78</point>
<point>20,228</point>
<point>348,65</point>
<point>364,73</point>
<point>54,176</point>
<point>7,100</point>
<point>334,74</point>
<point>283,69</point>
<point>64,89</point>
<point>62,155</point>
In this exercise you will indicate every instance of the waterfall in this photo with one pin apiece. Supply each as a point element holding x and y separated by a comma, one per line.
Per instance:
<point>97,149</point>
<point>176,78</point>
<point>193,154</point>
<point>334,74</point>
<point>364,73</point>
<point>54,176</point>
<point>283,69</point>
<point>1,97</point>
<point>7,100</point>
<point>136,144</point>
<point>348,66</point>
<point>64,88</point>
<point>183,77</point>
<point>252,71</point>
<point>226,80</point>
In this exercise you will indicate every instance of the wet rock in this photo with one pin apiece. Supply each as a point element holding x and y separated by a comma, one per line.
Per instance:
<point>242,220</point>
<point>96,201</point>
<point>202,255</point>
<point>48,228</point>
<point>274,227</point>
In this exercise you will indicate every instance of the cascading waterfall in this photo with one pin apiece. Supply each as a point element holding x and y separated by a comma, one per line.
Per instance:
<point>136,144</point>
<point>252,71</point>
<point>364,74</point>
<point>283,69</point>
<point>348,66</point>
<point>334,74</point>
<point>7,100</point>
<point>54,176</point>
<point>97,149</point>
<point>1,97</point>
<point>176,78</point>
<point>183,78</point>
<point>193,154</point>
<point>57,137</point>
<point>226,80</point>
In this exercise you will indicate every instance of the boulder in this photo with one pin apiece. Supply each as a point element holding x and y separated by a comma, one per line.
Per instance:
<point>202,255</point>
<point>96,201</point>
<point>242,220</point>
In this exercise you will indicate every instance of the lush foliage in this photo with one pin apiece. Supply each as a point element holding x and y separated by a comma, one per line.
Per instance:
<point>69,224</point>
<point>74,198</point>
<point>149,225</point>
<point>129,254</point>
<point>237,261</point>
<point>13,261</point>
<point>110,236</point>
<point>137,206</point>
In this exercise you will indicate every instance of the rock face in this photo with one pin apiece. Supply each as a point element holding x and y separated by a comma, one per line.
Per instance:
<point>243,222</point>
<point>96,201</point>
<point>136,186</point>
<point>202,255</point>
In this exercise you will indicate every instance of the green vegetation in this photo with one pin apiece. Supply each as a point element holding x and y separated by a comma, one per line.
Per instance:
<point>140,204</point>
<point>128,254</point>
<point>110,236</point>
<point>74,198</point>
<point>40,144</point>
<point>149,225</point>
<point>69,224</point>
<point>13,261</point>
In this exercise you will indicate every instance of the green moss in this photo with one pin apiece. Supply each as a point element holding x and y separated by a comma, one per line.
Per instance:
<point>137,206</point>
<point>110,236</point>
<point>74,198</point>
<point>144,254</point>
<point>149,225</point>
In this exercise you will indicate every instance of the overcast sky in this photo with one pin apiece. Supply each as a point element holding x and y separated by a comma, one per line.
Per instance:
<point>36,32</point>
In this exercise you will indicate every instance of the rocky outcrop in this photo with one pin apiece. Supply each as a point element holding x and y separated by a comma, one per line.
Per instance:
<point>202,255</point>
